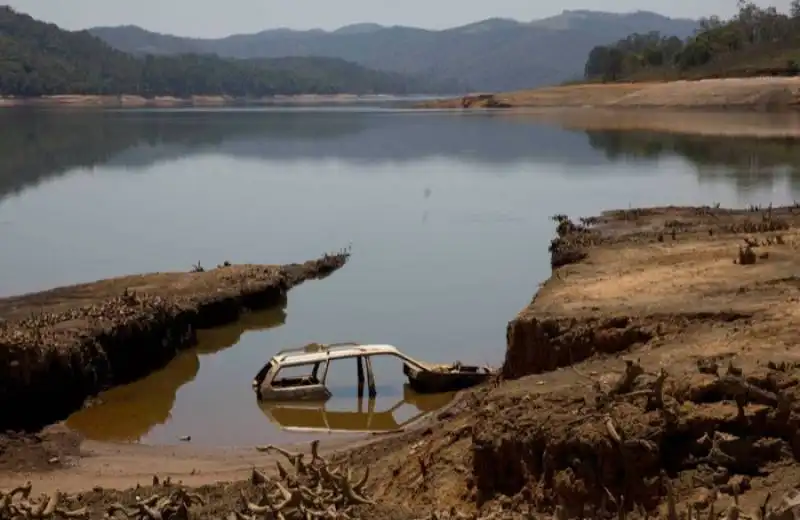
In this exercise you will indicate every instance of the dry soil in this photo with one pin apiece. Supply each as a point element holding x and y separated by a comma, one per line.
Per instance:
<point>762,93</point>
<point>659,356</point>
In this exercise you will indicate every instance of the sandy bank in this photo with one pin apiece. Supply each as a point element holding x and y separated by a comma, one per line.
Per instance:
<point>765,93</point>
<point>59,347</point>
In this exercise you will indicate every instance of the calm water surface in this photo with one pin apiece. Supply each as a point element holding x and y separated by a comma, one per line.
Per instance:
<point>447,215</point>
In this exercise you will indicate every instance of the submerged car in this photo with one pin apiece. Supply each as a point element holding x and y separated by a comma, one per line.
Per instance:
<point>270,385</point>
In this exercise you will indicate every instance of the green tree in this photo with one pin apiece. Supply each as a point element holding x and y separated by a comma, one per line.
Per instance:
<point>794,9</point>
<point>754,41</point>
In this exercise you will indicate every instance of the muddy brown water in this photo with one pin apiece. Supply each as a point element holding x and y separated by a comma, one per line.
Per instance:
<point>447,214</point>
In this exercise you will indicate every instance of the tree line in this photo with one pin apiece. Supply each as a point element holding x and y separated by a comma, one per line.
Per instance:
<point>38,59</point>
<point>754,38</point>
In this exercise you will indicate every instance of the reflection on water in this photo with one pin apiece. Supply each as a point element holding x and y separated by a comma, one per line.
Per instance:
<point>36,145</point>
<point>691,122</point>
<point>129,412</point>
<point>448,214</point>
<point>748,162</point>
<point>211,341</point>
<point>362,416</point>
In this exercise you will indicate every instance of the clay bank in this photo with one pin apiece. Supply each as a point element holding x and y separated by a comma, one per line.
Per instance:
<point>656,361</point>
<point>61,346</point>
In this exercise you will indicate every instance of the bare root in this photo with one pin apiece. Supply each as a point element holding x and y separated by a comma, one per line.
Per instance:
<point>311,489</point>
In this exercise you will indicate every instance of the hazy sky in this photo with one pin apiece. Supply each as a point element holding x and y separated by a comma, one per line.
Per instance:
<point>213,18</point>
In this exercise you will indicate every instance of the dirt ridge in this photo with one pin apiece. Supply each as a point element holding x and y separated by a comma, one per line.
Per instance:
<point>62,346</point>
<point>669,286</point>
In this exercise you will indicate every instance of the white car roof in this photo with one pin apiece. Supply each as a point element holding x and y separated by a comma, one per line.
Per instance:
<point>317,353</point>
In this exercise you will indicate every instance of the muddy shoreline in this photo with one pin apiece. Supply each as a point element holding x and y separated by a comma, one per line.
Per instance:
<point>62,346</point>
<point>657,361</point>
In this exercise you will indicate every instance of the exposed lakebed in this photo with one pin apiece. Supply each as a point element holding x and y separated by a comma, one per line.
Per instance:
<point>447,214</point>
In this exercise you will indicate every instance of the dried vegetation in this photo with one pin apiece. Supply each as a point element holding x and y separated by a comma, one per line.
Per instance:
<point>646,444</point>
<point>312,489</point>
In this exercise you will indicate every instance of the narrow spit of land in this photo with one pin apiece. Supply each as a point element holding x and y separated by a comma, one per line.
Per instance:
<point>760,93</point>
<point>656,362</point>
<point>61,346</point>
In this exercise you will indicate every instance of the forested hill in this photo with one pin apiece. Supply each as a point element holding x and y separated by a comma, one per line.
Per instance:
<point>754,42</point>
<point>496,54</point>
<point>39,59</point>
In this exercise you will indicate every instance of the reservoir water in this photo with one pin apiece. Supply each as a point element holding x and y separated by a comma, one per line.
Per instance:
<point>447,214</point>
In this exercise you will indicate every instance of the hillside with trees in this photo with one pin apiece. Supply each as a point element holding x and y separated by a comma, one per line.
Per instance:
<point>754,42</point>
<point>38,59</point>
<point>496,54</point>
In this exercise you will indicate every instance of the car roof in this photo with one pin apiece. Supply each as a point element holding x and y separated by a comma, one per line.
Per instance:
<point>317,353</point>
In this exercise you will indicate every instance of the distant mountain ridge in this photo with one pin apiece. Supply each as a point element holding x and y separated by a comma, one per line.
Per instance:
<point>492,54</point>
<point>41,59</point>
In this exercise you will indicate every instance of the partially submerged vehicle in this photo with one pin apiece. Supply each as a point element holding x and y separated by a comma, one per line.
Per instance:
<point>269,384</point>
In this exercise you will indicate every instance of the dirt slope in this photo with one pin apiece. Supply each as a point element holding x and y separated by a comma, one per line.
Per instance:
<point>665,289</point>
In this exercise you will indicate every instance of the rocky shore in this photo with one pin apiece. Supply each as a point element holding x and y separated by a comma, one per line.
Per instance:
<point>61,346</point>
<point>653,374</point>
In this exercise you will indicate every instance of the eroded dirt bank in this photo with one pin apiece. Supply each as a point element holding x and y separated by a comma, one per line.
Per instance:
<point>61,346</point>
<point>702,303</point>
<point>761,93</point>
<point>655,362</point>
